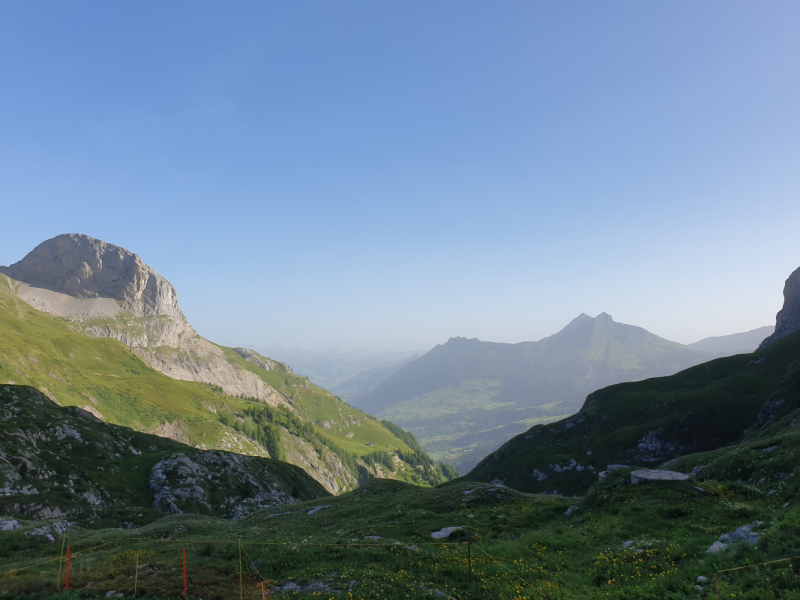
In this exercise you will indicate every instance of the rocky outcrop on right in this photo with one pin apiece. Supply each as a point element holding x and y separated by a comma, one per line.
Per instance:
<point>788,318</point>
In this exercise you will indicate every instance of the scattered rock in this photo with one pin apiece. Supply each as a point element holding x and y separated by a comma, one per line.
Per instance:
<point>702,580</point>
<point>373,538</point>
<point>444,532</point>
<point>769,410</point>
<point>42,532</point>
<point>9,525</point>
<point>538,475</point>
<point>716,547</point>
<point>657,475</point>
<point>311,587</point>
<point>316,509</point>
<point>655,447</point>
<point>61,527</point>
<point>572,465</point>
<point>743,534</point>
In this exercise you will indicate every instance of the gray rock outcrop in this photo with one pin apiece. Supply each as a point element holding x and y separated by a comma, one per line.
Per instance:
<point>787,320</point>
<point>257,359</point>
<point>743,534</point>
<point>215,482</point>
<point>83,267</point>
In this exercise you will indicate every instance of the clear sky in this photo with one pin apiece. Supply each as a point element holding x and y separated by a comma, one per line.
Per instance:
<point>390,174</point>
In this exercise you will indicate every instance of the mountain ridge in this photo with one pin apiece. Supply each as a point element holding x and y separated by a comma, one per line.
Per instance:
<point>735,343</point>
<point>491,390</point>
<point>156,374</point>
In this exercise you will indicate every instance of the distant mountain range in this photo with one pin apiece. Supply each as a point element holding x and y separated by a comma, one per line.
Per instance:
<point>367,381</point>
<point>737,343</point>
<point>332,368</point>
<point>466,397</point>
<point>731,418</point>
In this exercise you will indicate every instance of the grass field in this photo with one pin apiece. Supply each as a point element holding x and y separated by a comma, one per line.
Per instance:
<point>523,547</point>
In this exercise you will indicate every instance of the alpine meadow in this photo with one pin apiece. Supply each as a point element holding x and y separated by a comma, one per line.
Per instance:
<point>314,300</point>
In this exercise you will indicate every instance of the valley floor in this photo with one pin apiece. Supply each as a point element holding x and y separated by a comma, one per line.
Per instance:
<point>621,541</point>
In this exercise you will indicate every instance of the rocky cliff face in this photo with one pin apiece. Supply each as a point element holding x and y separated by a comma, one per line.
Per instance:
<point>83,267</point>
<point>109,291</point>
<point>788,318</point>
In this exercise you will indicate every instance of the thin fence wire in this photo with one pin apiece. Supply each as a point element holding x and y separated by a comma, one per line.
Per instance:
<point>772,562</point>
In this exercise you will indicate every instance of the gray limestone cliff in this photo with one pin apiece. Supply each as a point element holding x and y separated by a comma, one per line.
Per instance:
<point>83,267</point>
<point>788,318</point>
<point>108,291</point>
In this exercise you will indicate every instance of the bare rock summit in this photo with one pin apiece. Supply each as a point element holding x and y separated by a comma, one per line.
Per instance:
<point>108,291</point>
<point>84,267</point>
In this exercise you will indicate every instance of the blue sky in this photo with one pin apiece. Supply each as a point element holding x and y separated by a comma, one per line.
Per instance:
<point>391,174</point>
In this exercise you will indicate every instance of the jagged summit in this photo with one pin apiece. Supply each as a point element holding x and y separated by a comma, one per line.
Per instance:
<point>579,320</point>
<point>788,318</point>
<point>84,267</point>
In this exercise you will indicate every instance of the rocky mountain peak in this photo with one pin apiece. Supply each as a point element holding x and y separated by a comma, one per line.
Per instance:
<point>579,320</point>
<point>84,267</point>
<point>788,318</point>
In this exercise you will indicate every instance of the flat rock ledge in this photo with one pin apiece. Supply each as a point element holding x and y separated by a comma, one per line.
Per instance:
<point>657,475</point>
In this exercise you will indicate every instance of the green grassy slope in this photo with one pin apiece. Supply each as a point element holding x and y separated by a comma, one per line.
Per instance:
<point>105,376</point>
<point>623,542</point>
<point>318,405</point>
<point>648,422</point>
<point>102,374</point>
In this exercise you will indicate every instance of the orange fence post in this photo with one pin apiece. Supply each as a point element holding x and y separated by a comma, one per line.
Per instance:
<point>68,553</point>
<point>184,572</point>
<point>61,561</point>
